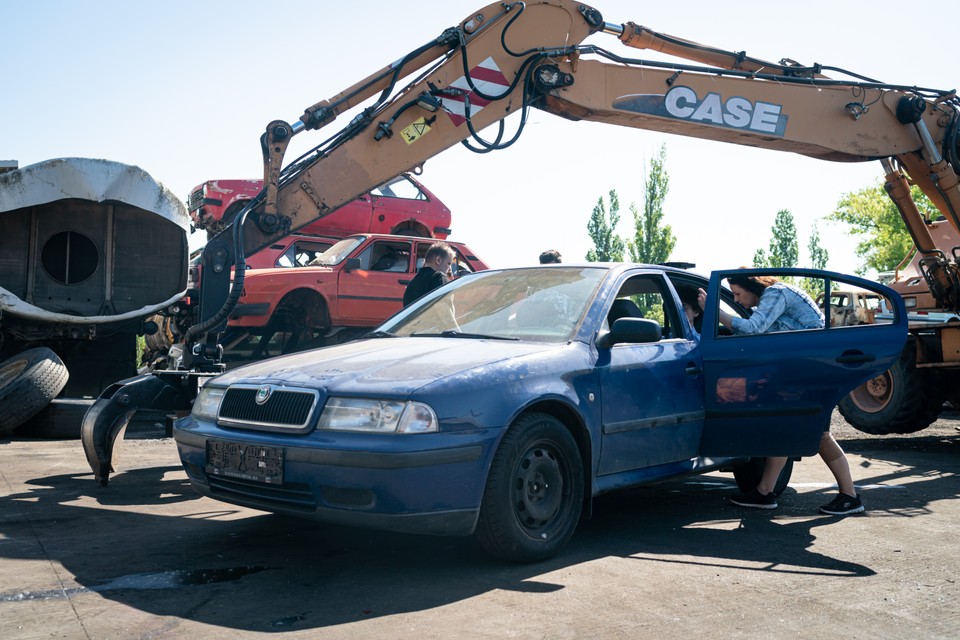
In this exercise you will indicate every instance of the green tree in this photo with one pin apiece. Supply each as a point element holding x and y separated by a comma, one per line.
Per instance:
<point>607,245</point>
<point>784,249</point>
<point>818,260</point>
<point>653,241</point>
<point>819,256</point>
<point>883,237</point>
<point>760,259</point>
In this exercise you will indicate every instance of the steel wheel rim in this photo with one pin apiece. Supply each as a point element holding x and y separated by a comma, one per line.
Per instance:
<point>539,487</point>
<point>874,394</point>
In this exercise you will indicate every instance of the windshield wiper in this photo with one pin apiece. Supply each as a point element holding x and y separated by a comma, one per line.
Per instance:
<point>379,334</point>
<point>454,333</point>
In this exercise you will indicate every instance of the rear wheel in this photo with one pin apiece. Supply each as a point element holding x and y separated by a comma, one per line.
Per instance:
<point>902,399</point>
<point>28,382</point>
<point>409,229</point>
<point>534,493</point>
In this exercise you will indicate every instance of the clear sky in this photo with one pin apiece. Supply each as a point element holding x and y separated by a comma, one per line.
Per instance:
<point>184,89</point>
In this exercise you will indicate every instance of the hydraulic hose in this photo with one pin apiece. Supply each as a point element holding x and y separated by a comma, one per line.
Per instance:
<point>239,273</point>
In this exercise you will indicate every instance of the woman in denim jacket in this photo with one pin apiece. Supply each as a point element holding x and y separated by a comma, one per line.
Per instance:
<point>777,306</point>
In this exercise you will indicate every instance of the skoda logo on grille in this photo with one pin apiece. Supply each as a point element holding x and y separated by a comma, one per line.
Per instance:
<point>263,394</point>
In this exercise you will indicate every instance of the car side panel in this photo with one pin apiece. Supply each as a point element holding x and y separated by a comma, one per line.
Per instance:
<point>652,404</point>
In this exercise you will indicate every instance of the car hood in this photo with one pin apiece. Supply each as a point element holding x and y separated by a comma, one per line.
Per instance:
<point>393,365</point>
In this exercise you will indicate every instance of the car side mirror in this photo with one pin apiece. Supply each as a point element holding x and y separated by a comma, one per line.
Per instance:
<point>631,330</point>
<point>351,264</point>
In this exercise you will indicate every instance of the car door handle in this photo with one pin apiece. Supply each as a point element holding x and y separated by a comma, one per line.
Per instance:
<point>403,281</point>
<point>857,357</point>
<point>693,370</point>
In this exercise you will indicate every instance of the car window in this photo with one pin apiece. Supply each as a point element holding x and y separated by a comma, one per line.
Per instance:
<point>646,296</point>
<point>386,255</point>
<point>459,266</point>
<point>302,253</point>
<point>843,310</point>
<point>339,252</point>
<point>545,304</point>
<point>400,187</point>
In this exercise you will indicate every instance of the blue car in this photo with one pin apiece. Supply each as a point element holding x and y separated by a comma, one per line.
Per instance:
<point>500,404</point>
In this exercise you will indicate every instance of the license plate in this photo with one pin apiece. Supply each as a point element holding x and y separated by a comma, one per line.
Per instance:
<point>245,461</point>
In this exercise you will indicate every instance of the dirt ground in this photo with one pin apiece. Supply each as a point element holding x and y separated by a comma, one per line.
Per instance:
<point>148,558</point>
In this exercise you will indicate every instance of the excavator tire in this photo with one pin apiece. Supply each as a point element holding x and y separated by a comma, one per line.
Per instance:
<point>28,382</point>
<point>902,399</point>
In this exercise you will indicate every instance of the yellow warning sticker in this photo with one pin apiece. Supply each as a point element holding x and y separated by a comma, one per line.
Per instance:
<point>415,131</point>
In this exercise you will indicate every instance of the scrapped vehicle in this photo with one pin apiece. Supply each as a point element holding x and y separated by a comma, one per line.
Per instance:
<point>851,307</point>
<point>400,206</point>
<point>500,404</point>
<point>350,288</point>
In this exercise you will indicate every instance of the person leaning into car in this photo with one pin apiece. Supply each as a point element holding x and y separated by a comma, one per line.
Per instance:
<point>777,306</point>
<point>433,274</point>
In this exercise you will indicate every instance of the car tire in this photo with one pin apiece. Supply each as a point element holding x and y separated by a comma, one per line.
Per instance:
<point>748,475</point>
<point>902,399</point>
<point>534,492</point>
<point>28,382</point>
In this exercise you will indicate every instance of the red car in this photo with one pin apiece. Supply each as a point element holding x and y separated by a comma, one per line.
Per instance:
<point>353,286</point>
<point>401,206</point>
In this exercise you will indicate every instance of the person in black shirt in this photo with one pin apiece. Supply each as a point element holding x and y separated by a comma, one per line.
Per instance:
<point>433,273</point>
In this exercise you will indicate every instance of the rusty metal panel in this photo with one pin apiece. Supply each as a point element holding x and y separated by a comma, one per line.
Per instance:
<point>950,340</point>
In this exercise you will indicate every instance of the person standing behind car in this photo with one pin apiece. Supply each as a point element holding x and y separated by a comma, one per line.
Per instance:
<point>551,256</point>
<point>778,306</point>
<point>433,273</point>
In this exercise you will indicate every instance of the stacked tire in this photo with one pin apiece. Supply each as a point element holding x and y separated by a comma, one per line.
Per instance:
<point>28,382</point>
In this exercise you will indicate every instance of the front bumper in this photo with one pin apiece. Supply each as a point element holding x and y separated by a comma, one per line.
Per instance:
<point>423,483</point>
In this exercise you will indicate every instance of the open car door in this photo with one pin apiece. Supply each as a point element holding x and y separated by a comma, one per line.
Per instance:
<point>772,394</point>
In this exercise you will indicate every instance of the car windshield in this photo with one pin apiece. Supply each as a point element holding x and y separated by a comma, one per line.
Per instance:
<point>338,252</point>
<point>541,304</point>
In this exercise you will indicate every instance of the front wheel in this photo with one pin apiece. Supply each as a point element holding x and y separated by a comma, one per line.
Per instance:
<point>534,493</point>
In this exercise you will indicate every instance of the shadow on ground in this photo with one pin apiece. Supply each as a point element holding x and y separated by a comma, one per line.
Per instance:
<point>149,542</point>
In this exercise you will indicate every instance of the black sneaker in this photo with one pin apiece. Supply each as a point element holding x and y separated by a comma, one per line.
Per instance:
<point>755,500</point>
<point>843,505</point>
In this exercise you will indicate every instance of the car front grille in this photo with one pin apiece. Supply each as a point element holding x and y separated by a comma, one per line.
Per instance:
<point>269,408</point>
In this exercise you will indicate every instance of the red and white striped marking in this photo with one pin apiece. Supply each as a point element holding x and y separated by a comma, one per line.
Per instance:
<point>486,77</point>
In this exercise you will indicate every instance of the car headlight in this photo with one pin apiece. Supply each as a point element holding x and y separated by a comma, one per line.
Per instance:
<point>377,416</point>
<point>207,404</point>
